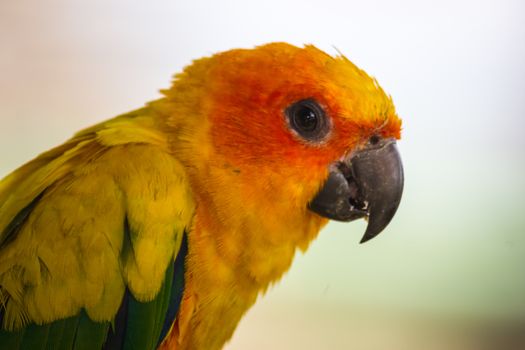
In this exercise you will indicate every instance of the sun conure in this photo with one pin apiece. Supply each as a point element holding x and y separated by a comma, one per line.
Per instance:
<point>162,226</point>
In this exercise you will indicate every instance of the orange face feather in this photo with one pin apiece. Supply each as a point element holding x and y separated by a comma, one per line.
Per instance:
<point>250,90</point>
<point>244,93</point>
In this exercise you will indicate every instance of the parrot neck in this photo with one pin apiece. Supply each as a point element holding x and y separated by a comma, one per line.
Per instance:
<point>228,266</point>
<point>239,244</point>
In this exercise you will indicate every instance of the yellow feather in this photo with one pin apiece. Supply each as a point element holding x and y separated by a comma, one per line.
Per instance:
<point>71,252</point>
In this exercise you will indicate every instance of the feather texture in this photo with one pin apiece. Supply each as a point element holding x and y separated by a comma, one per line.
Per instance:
<point>86,223</point>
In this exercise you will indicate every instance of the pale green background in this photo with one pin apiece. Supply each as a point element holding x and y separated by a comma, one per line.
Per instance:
<point>449,272</point>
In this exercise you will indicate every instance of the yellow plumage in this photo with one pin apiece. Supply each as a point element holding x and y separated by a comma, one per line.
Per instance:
<point>71,252</point>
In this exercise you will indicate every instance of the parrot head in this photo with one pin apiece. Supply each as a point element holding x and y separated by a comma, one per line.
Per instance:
<point>291,131</point>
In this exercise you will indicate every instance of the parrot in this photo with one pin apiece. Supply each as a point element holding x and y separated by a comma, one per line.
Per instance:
<point>161,227</point>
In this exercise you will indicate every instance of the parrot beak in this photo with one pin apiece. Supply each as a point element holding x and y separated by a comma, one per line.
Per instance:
<point>366,184</point>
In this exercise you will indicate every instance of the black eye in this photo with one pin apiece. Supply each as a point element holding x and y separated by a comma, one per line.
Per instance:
<point>374,140</point>
<point>308,119</point>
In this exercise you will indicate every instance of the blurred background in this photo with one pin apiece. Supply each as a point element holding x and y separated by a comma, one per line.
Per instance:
<point>449,272</point>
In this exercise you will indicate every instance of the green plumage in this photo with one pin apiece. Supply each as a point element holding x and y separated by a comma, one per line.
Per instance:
<point>78,333</point>
<point>35,337</point>
<point>61,334</point>
<point>145,320</point>
<point>90,335</point>
<point>142,327</point>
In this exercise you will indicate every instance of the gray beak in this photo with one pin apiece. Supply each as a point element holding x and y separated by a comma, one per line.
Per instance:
<point>367,184</point>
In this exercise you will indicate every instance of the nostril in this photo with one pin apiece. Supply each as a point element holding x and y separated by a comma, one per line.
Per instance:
<point>345,170</point>
<point>374,140</point>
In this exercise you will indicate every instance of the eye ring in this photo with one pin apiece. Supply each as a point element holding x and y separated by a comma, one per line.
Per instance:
<point>308,120</point>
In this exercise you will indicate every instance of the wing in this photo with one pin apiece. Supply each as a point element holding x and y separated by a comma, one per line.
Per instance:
<point>92,241</point>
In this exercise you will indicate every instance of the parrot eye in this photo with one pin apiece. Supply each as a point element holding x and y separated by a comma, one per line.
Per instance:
<point>308,119</point>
